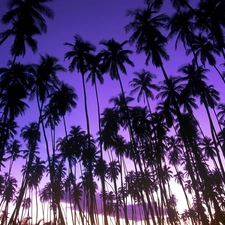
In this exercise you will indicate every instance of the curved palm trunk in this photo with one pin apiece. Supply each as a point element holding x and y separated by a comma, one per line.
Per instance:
<point>221,75</point>
<point>6,36</point>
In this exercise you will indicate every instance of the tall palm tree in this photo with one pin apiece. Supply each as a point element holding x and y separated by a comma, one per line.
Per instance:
<point>211,18</point>
<point>45,82</point>
<point>94,74</point>
<point>12,106</point>
<point>208,97</point>
<point>26,19</point>
<point>79,54</point>
<point>13,78</point>
<point>142,84</point>
<point>31,135</point>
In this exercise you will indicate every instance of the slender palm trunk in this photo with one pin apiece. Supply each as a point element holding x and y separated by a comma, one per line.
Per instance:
<point>86,107</point>
<point>221,75</point>
<point>6,36</point>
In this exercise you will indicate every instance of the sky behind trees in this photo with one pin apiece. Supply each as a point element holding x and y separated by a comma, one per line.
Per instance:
<point>95,21</point>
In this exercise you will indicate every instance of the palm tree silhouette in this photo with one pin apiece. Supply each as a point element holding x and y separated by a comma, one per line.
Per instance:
<point>79,54</point>
<point>205,50</point>
<point>142,84</point>
<point>26,19</point>
<point>31,135</point>
<point>183,25</point>
<point>147,35</point>
<point>14,151</point>
<point>112,174</point>
<point>212,21</point>
<point>8,194</point>
<point>114,57</point>
<point>12,106</point>
<point>63,99</point>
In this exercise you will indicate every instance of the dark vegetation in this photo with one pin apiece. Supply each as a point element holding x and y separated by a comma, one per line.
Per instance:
<point>165,144</point>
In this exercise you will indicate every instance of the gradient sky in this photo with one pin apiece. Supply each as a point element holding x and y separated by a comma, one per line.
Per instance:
<point>95,20</point>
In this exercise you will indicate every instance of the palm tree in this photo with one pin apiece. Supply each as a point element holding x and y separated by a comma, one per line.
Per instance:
<point>27,202</point>
<point>26,19</point>
<point>100,169</point>
<point>12,106</point>
<point>45,82</point>
<point>113,59</point>
<point>8,194</point>
<point>45,78</point>
<point>147,35</point>
<point>143,85</point>
<point>63,100</point>
<point>94,74</point>
<point>13,149</point>
<point>188,132</point>
<point>208,95</point>
<point>17,75</point>
<point>31,135</point>
<point>211,18</point>
<point>38,168</point>
<point>205,50</point>
<point>79,54</point>
<point>112,174</point>
<point>175,148</point>
<point>183,25</point>
<point>207,145</point>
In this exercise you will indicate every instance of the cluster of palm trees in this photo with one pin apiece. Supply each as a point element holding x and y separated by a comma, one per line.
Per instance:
<point>164,144</point>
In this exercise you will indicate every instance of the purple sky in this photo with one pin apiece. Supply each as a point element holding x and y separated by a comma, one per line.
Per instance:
<point>95,20</point>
